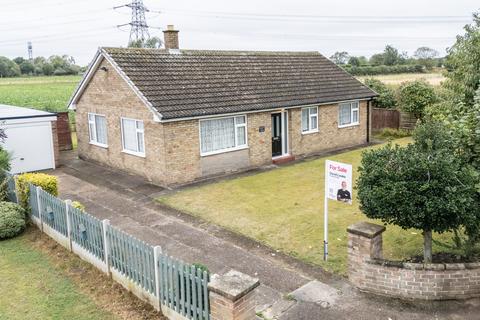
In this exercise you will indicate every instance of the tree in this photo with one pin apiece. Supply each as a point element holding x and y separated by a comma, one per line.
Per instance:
<point>377,59</point>
<point>463,62</point>
<point>423,186</point>
<point>26,67</point>
<point>153,42</point>
<point>415,97</point>
<point>391,56</point>
<point>386,96</point>
<point>354,62</point>
<point>340,57</point>
<point>8,68</point>
<point>426,56</point>
<point>19,60</point>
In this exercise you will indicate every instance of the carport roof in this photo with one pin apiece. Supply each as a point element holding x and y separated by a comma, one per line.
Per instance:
<point>8,112</point>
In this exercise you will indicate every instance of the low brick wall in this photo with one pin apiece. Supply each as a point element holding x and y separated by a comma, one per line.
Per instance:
<point>369,272</point>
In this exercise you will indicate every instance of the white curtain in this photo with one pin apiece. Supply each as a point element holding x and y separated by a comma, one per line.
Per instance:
<point>101,129</point>
<point>217,134</point>
<point>129,135</point>
<point>345,114</point>
<point>305,119</point>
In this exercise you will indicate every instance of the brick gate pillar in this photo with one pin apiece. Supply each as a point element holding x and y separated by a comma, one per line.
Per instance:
<point>232,296</point>
<point>364,243</point>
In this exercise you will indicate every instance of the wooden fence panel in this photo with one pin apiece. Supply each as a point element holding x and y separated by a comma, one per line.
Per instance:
<point>385,118</point>
<point>53,212</point>
<point>86,231</point>
<point>132,257</point>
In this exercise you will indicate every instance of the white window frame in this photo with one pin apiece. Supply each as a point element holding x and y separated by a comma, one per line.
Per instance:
<point>236,125</point>
<point>310,116</point>
<point>92,136</point>
<point>354,106</point>
<point>137,131</point>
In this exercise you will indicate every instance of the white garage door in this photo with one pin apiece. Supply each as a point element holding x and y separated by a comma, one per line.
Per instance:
<point>31,146</point>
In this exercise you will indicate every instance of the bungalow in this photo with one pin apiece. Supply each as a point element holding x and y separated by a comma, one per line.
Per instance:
<point>176,116</point>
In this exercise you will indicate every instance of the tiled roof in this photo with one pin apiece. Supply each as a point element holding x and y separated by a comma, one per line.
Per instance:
<point>191,83</point>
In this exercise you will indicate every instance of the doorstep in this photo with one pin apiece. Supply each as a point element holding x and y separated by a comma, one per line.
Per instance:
<point>283,159</point>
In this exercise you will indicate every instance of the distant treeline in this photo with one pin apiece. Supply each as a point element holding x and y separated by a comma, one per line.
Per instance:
<point>389,61</point>
<point>54,65</point>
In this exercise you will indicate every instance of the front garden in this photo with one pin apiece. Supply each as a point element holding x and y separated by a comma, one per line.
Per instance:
<point>283,209</point>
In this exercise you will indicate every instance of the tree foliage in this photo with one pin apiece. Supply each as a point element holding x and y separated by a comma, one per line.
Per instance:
<point>416,96</point>
<point>463,62</point>
<point>340,57</point>
<point>386,97</point>
<point>152,42</point>
<point>424,185</point>
<point>8,68</point>
<point>426,56</point>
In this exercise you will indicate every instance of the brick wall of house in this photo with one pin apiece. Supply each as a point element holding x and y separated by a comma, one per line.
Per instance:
<point>369,272</point>
<point>329,136</point>
<point>56,149</point>
<point>172,149</point>
<point>108,94</point>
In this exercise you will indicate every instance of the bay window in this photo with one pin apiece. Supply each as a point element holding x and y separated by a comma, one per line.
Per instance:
<point>97,129</point>
<point>348,114</point>
<point>223,134</point>
<point>310,120</point>
<point>133,136</point>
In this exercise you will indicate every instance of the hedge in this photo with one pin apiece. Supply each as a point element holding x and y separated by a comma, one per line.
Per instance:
<point>12,220</point>
<point>47,182</point>
<point>375,70</point>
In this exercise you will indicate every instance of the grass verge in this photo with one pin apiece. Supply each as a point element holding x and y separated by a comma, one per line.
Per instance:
<point>42,280</point>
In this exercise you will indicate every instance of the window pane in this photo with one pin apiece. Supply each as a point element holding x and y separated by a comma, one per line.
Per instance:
<point>304,119</point>
<point>101,129</point>
<point>139,125</point>
<point>241,141</point>
<point>129,135</point>
<point>313,110</point>
<point>240,120</point>
<point>91,126</point>
<point>355,116</point>
<point>140,142</point>
<point>217,134</point>
<point>344,114</point>
<point>313,122</point>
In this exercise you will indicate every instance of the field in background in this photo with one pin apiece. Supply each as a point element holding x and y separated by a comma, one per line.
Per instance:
<point>43,93</point>
<point>434,78</point>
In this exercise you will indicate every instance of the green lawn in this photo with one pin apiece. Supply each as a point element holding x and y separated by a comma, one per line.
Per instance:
<point>31,287</point>
<point>44,93</point>
<point>283,208</point>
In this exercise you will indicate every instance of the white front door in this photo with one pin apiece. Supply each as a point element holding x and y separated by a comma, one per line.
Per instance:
<point>30,145</point>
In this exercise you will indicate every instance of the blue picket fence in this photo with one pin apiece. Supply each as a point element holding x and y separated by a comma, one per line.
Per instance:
<point>182,287</point>
<point>87,232</point>
<point>133,258</point>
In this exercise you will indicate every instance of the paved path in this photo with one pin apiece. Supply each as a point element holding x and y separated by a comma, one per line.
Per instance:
<point>128,201</point>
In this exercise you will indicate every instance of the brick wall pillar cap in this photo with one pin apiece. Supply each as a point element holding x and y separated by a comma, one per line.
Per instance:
<point>366,229</point>
<point>233,285</point>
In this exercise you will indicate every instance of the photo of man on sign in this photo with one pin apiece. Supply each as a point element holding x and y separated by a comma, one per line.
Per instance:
<point>343,194</point>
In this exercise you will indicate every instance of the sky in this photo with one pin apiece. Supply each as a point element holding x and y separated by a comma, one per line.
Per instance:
<point>79,27</point>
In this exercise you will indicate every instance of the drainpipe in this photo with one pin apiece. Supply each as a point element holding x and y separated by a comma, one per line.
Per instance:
<point>368,121</point>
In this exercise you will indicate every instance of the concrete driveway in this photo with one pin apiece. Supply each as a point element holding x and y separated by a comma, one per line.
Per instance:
<point>128,202</point>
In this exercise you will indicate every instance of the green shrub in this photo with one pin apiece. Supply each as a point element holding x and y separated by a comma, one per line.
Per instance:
<point>47,182</point>
<point>12,220</point>
<point>416,96</point>
<point>200,266</point>
<point>78,205</point>
<point>386,96</point>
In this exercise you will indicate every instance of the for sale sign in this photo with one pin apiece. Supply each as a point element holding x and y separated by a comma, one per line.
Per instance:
<point>338,181</point>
